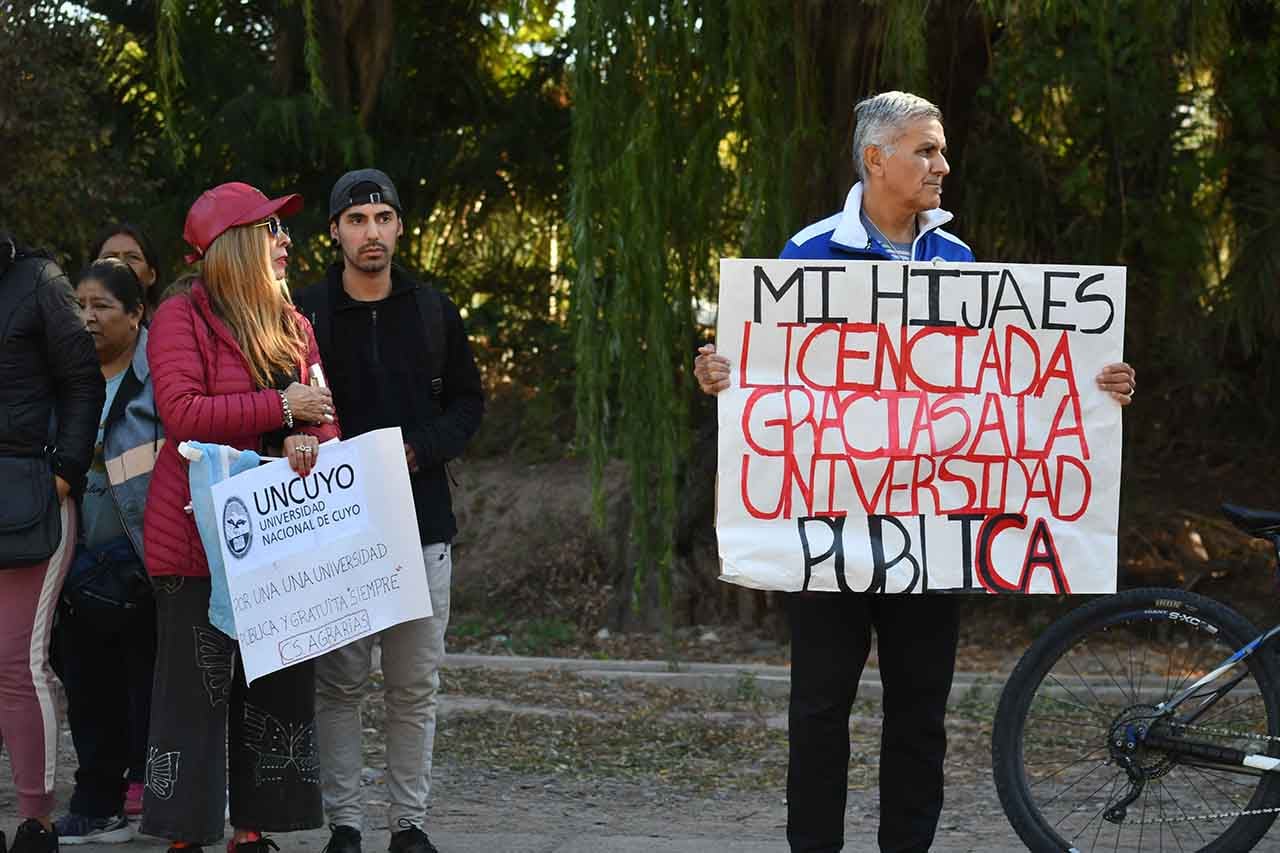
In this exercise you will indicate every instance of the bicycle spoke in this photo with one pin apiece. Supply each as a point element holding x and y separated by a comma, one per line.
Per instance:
<point>1066,767</point>
<point>1188,674</point>
<point>1067,721</point>
<point>1164,820</point>
<point>1113,782</point>
<point>1183,811</point>
<point>1060,794</point>
<point>1076,704</point>
<point>1087,685</point>
<point>1133,697</point>
<point>1194,669</point>
<point>1217,717</point>
<point>1142,821</point>
<point>1209,807</point>
<point>1098,832</point>
<point>1106,669</point>
<point>1214,783</point>
<point>1142,672</point>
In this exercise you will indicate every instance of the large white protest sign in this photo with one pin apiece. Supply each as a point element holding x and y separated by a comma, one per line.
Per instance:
<point>895,427</point>
<point>316,562</point>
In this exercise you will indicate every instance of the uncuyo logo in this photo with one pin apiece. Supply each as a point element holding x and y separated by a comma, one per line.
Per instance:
<point>237,527</point>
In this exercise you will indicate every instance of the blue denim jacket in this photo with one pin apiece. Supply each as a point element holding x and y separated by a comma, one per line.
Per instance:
<point>132,438</point>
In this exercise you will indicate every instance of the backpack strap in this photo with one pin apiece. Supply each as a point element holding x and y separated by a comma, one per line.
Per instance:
<point>321,317</point>
<point>431,309</point>
<point>8,252</point>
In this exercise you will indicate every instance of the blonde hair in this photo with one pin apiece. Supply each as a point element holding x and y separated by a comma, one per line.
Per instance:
<point>244,291</point>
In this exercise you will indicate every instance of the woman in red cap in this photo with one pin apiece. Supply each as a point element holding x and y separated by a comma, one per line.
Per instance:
<point>228,361</point>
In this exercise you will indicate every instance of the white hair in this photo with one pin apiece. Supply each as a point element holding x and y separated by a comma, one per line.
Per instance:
<point>881,119</point>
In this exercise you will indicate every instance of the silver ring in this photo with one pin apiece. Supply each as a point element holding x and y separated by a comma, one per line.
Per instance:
<point>304,449</point>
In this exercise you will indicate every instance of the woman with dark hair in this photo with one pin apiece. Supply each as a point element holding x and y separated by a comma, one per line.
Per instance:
<point>129,243</point>
<point>229,359</point>
<point>107,630</point>
<point>47,368</point>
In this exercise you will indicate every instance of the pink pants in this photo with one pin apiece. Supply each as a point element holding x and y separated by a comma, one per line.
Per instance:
<point>28,687</point>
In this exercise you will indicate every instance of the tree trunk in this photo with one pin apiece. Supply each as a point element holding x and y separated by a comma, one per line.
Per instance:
<point>837,57</point>
<point>959,59</point>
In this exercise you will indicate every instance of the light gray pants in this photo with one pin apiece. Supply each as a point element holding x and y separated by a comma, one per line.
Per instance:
<point>411,657</point>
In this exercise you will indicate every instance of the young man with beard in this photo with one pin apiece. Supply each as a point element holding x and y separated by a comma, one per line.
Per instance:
<point>396,354</point>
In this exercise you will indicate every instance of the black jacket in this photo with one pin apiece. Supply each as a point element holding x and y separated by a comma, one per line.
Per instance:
<point>48,367</point>
<point>373,356</point>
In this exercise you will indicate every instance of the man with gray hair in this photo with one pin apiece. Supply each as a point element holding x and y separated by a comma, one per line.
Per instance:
<point>892,213</point>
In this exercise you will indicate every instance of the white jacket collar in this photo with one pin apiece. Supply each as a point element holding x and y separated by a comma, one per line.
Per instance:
<point>850,234</point>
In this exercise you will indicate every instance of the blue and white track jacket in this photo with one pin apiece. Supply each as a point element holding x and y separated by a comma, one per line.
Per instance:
<point>842,237</point>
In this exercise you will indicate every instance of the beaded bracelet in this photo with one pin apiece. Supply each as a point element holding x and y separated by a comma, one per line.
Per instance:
<point>288,412</point>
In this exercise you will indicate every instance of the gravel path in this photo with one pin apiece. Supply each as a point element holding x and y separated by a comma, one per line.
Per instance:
<point>553,756</point>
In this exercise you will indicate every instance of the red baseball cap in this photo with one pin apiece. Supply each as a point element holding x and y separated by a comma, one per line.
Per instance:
<point>228,205</point>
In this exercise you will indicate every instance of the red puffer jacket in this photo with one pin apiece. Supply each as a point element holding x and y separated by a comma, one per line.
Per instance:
<point>205,392</point>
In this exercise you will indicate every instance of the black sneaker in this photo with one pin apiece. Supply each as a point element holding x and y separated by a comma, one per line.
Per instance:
<point>342,839</point>
<point>80,829</point>
<point>411,839</point>
<point>31,837</point>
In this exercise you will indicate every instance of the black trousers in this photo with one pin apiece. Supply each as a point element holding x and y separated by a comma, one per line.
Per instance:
<point>209,730</point>
<point>107,662</point>
<point>830,641</point>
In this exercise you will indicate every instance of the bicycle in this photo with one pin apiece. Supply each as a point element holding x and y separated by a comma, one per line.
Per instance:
<point>1147,720</point>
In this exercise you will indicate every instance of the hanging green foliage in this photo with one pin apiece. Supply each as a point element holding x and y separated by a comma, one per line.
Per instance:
<point>1248,87</point>
<point>701,129</point>
<point>774,121</point>
<point>646,208</point>
<point>314,55</point>
<point>1101,142</point>
<point>169,14</point>
<point>67,160</point>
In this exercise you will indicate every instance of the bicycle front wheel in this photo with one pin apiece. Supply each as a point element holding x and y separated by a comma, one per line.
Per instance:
<point>1104,670</point>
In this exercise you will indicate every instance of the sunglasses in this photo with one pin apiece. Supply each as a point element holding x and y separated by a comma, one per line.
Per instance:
<point>274,227</point>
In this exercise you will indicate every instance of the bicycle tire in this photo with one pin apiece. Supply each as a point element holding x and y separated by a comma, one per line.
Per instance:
<point>1069,689</point>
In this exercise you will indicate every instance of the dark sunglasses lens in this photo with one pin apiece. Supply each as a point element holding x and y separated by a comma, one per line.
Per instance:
<point>275,227</point>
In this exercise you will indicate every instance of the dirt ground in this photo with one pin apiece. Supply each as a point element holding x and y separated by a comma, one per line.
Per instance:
<point>550,761</point>
<point>531,571</point>
<point>552,754</point>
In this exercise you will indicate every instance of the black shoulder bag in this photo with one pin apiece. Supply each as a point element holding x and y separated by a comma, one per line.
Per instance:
<point>30,518</point>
